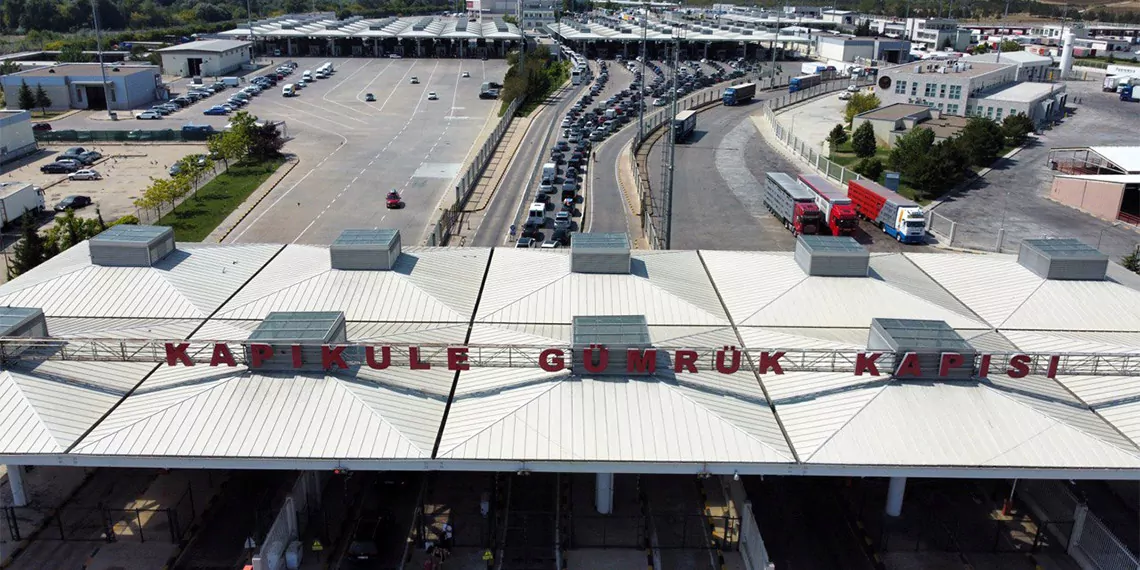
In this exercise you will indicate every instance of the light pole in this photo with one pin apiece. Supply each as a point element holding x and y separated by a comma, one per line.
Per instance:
<point>102,69</point>
<point>252,39</point>
<point>641,87</point>
<point>1105,229</point>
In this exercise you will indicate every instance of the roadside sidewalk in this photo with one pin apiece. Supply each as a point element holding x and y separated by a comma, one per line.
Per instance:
<point>492,178</point>
<point>239,214</point>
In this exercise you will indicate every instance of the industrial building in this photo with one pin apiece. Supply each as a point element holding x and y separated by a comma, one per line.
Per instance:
<point>969,88</point>
<point>536,14</point>
<point>1030,66</point>
<point>16,136</point>
<point>205,57</point>
<point>322,35</point>
<point>80,85</point>
<point>1102,180</point>
<point>893,121</point>
<point>845,48</point>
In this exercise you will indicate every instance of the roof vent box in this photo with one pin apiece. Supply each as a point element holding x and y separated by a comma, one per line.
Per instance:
<point>618,333</point>
<point>831,256</point>
<point>23,321</point>
<point>376,250</point>
<point>131,246</point>
<point>311,330</point>
<point>600,253</point>
<point>1062,259</point>
<point>930,339</point>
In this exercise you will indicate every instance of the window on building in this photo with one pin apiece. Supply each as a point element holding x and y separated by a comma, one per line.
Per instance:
<point>997,117</point>
<point>955,91</point>
<point>940,106</point>
<point>942,91</point>
<point>989,112</point>
<point>900,88</point>
<point>914,88</point>
<point>969,110</point>
<point>930,89</point>
<point>79,94</point>
<point>952,109</point>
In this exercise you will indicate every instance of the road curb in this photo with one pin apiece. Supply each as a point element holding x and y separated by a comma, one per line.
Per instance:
<point>292,164</point>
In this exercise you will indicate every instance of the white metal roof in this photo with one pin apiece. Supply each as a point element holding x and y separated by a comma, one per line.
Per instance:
<point>212,46</point>
<point>1126,157</point>
<point>329,27</point>
<point>528,298</point>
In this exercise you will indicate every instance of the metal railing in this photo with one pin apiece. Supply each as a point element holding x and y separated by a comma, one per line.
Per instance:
<point>450,217</point>
<point>15,349</point>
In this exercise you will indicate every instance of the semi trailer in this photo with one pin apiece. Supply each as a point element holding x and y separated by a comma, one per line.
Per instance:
<point>899,217</point>
<point>791,203</point>
<point>803,82</point>
<point>17,199</point>
<point>683,125</point>
<point>838,211</point>
<point>739,94</point>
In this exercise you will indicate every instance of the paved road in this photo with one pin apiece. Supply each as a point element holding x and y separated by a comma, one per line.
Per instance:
<point>1014,194</point>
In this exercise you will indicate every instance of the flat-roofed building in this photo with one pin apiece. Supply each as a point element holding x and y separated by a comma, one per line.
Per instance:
<point>80,85</point>
<point>1030,66</point>
<point>16,137</point>
<point>206,57</point>
<point>894,121</point>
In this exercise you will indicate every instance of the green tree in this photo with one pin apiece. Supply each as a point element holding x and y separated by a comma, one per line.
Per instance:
<point>837,137</point>
<point>266,142</point>
<point>1010,45</point>
<point>863,140</point>
<point>130,220</point>
<point>1016,128</point>
<point>42,99</point>
<point>227,146</point>
<point>29,251</point>
<point>8,66</point>
<point>872,168</point>
<point>863,28</point>
<point>910,148</point>
<point>982,139</point>
<point>25,98</point>
<point>70,230</point>
<point>1131,262</point>
<point>73,53</point>
<point>860,102</point>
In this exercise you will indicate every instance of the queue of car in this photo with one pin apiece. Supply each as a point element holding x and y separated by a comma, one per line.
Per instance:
<point>71,161</point>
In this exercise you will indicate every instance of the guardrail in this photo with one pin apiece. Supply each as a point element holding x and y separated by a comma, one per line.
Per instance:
<point>449,217</point>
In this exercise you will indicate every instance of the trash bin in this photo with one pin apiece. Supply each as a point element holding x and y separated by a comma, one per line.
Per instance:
<point>114,115</point>
<point>293,554</point>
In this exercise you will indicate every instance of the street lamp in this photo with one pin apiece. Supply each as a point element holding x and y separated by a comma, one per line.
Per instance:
<point>102,69</point>
<point>1105,229</point>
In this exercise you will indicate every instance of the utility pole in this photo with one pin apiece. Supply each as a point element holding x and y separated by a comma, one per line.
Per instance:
<point>775,39</point>
<point>252,39</point>
<point>522,35</point>
<point>641,87</point>
<point>670,153</point>
<point>102,68</point>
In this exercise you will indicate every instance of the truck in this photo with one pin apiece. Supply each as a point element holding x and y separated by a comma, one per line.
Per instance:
<point>812,67</point>
<point>18,198</point>
<point>231,81</point>
<point>791,203</point>
<point>1126,93</point>
<point>897,216</point>
<point>683,125</point>
<point>1113,83</point>
<point>838,211</point>
<point>738,94</point>
<point>803,82</point>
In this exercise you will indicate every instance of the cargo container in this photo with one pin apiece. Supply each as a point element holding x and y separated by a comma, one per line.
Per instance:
<point>793,204</point>
<point>803,82</point>
<point>683,125</point>
<point>739,94</point>
<point>18,198</point>
<point>899,217</point>
<point>838,211</point>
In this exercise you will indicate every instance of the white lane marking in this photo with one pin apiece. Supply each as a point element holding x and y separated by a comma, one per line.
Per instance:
<point>397,86</point>
<point>292,107</point>
<point>373,80</point>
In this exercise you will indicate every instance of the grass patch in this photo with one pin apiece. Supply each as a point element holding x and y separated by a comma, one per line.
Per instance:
<point>559,75</point>
<point>844,156</point>
<point>47,115</point>
<point>196,217</point>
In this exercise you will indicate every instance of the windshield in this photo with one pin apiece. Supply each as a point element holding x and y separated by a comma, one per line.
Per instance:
<point>919,224</point>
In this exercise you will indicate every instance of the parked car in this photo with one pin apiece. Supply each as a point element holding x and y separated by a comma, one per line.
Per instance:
<point>59,168</point>
<point>41,127</point>
<point>215,110</point>
<point>85,174</point>
<point>149,116</point>
<point>395,56</point>
<point>72,203</point>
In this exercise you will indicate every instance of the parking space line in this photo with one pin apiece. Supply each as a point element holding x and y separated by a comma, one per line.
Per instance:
<point>373,80</point>
<point>397,86</point>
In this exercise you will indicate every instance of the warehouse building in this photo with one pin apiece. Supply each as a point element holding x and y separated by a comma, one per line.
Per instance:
<point>845,48</point>
<point>205,57</point>
<point>80,85</point>
<point>1030,66</point>
<point>16,136</point>
<point>1102,180</point>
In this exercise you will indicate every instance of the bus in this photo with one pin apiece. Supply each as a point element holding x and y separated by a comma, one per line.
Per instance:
<point>576,76</point>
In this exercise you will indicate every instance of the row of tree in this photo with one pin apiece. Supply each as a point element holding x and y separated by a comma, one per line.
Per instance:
<point>28,99</point>
<point>934,167</point>
<point>533,79</point>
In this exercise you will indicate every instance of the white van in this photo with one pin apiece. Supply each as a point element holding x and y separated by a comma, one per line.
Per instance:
<point>307,76</point>
<point>549,170</point>
<point>231,81</point>
<point>536,216</point>
<point>288,90</point>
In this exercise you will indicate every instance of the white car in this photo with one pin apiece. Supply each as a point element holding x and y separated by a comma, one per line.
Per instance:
<point>84,175</point>
<point>432,96</point>
<point>844,96</point>
<point>659,102</point>
<point>466,74</point>
<point>149,115</point>
<point>395,56</point>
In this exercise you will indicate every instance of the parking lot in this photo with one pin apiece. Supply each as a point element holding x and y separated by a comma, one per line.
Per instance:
<point>126,171</point>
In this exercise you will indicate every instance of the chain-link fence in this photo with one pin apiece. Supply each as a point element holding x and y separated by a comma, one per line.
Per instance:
<point>136,135</point>
<point>1087,539</point>
<point>450,217</point>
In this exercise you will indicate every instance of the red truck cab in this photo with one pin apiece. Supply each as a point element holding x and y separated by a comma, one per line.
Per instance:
<point>843,220</point>
<point>806,219</point>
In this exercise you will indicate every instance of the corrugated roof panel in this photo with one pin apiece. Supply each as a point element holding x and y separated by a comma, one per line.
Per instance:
<point>295,264</point>
<point>91,327</point>
<point>688,337</point>
<point>416,416</point>
<point>1075,341</point>
<point>529,334</point>
<point>959,274</point>
<point>409,333</point>
<point>1103,392</point>
<point>850,303</point>
<point>987,341</point>
<point>74,258</point>
<point>960,424</point>
<point>682,274</point>
<point>899,271</point>
<point>506,284</point>
<point>141,292</point>
<point>830,339</point>
<point>1079,305</point>
<point>21,428</point>
<point>591,420</point>
<point>210,274</point>
<point>749,281</point>
<point>453,275</point>
<point>1124,417</point>
<point>259,416</point>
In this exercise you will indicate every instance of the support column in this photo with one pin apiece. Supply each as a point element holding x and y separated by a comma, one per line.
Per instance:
<point>16,483</point>
<point>604,499</point>
<point>895,493</point>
